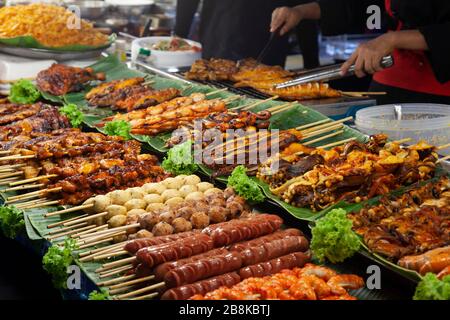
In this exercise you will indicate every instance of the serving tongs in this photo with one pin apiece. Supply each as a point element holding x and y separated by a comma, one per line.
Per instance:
<point>328,73</point>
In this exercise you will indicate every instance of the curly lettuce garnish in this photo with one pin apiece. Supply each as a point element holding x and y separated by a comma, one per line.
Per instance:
<point>333,237</point>
<point>119,128</point>
<point>75,116</point>
<point>102,295</point>
<point>11,221</point>
<point>24,92</point>
<point>431,288</point>
<point>180,159</point>
<point>57,260</point>
<point>244,186</point>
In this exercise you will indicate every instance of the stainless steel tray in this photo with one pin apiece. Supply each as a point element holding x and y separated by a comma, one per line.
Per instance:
<point>34,53</point>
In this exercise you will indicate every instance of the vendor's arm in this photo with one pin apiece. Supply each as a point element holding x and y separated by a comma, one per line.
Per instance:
<point>186,10</point>
<point>367,57</point>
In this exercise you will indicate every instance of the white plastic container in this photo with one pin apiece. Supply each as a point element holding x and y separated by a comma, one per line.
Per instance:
<point>429,122</point>
<point>165,59</point>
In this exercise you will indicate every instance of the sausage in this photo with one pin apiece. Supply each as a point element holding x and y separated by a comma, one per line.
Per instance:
<point>137,244</point>
<point>290,261</point>
<point>243,229</point>
<point>161,270</point>
<point>202,287</point>
<point>142,271</point>
<point>183,248</point>
<point>203,269</point>
<point>273,249</point>
<point>274,236</point>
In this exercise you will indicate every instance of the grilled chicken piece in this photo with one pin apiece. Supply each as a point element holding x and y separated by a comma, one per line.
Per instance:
<point>213,69</point>
<point>60,79</point>
<point>20,113</point>
<point>146,99</point>
<point>107,94</point>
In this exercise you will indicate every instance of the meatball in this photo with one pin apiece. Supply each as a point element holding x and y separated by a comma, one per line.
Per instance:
<point>235,209</point>
<point>228,192</point>
<point>149,220</point>
<point>144,234</point>
<point>162,229</point>
<point>199,220</point>
<point>218,214</point>
<point>181,225</point>
<point>185,212</point>
<point>215,200</point>
<point>167,216</point>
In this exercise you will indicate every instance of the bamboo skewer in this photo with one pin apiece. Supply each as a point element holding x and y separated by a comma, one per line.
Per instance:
<point>363,93</point>
<point>99,250</point>
<point>56,224</point>
<point>326,125</point>
<point>259,103</point>
<point>147,296</point>
<point>215,92</point>
<point>30,203</point>
<point>115,271</point>
<point>59,235</point>
<point>132,282</point>
<point>323,138</point>
<point>73,209</point>
<point>9,175</point>
<point>7,181</point>
<point>321,131</point>
<point>122,228</point>
<point>121,290</point>
<point>445,146</point>
<point>402,140</point>
<point>443,159</point>
<point>117,263</point>
<point>88,245</point>
<point>89,217</point>
<point>105,226</point>
<point>31,195</point>
<point>338,143</point>
<point>116,280</point>
<point>91,256</point>
<point>5,152</point>
<point>32,180</point>
<point>41,204</point>
<point>111,255</point>
<point>283,109</point>
<point>143,290</point>
<point>67,228</point>
<point>101,237</point>
<point>17,157</point>
<point>281,106</point>
<point>24,187</point>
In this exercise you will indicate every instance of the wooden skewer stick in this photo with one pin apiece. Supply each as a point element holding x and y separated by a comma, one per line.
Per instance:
<point>132,282</point>
<point>31,195</point>
<point>73,209</point>
<point>89,217</point>
<point>56,224</point>
<point>443,159</point>
<point>122,228</point>
<point>101,237</point>
<point>59,235</point>
<point>12,166</point>
<point>24,187</point>
<point>308,143</point>
<point>147,296</point>
<point>260,103</point>
<point>117,263</point>
<point>215,92</point>
<point>143,290</point>
<point>29,203</point>
<point>323,126</point>
<point>17,157</point>
<point>77,235</point>
<point>32,180</point>
<point>105,248</point>
<point>283,109</point>
<point>67,228</point>
<point>325,130</point>
<point>116,280</point>
<point>121,290</point>
<point>7,181</point>
<point>9,175</point>
<point>231,99</point>
<point>5,152</point>
<point>402,140</point>
<point>42,204</point>
<point>337,143</point>
<point>363,93</point>
<point>445,146</point>
<point>115,271</point>
<point>111,255</point>
<point>88,245</point>
<point>93,255</point>
<point>281,106</point>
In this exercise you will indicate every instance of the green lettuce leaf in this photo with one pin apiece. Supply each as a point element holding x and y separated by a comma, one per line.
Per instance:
<point>119,128</point>
<point>102,295</point>
<point>244,186</point>
<point>180,159</point>
<point>431,288</point>
<point>57,260</point>
<point>75,116</point>
<point>24,92</point>
<point>11,221</point>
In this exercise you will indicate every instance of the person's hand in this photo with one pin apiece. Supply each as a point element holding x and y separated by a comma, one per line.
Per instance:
<point>284,19</point>
<point>368,56</point>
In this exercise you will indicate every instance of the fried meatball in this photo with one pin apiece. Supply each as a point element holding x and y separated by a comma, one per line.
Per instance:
<point>185,212</point>
<point>199,220</point>
<point>235,209</point>
<point>218,214</point>
<point>167,216</point>
<point>144,234</point>
<point>162,229</point>
<point>228,192</point>
<point>149,220</point>
<point>181,225</point>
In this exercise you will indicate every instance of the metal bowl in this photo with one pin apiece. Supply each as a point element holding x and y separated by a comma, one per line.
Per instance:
<point>91,10</point>
<point>131,7</point>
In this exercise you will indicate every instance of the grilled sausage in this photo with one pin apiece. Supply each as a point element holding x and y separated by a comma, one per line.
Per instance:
<point>203,269</point>
<point>183,248</point>
<point>202,287</point>
<point>297,259</point>
<point>273,249</point>
<point>261,240</point>
<point>137,244</point>
<point>161,270</point>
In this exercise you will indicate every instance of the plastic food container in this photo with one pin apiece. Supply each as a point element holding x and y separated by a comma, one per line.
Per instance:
<point>164,59</point>
<point>429,122</point>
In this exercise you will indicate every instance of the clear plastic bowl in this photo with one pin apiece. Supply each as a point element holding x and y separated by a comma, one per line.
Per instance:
<point>421,121</point>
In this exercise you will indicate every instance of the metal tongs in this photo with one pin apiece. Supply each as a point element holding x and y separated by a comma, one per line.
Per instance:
<point>328,73</point>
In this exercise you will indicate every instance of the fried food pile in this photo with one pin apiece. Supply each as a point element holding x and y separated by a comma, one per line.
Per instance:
<point>308,283</point>
<point>60,79</point>
<point>48,24</point>
<point>412,230</point>
<point>316,178</point>
<point>249,73</point>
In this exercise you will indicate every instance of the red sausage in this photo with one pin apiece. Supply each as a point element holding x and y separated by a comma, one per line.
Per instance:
<point>134,245</point>
<point>202,287</point>
<point>161,270</point>
<point>274,236</point>
<point>290,261</point>
<point>203,269</point>
<point>183,248</point>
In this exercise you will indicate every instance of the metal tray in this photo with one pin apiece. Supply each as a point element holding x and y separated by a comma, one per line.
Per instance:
<point>51,54</point>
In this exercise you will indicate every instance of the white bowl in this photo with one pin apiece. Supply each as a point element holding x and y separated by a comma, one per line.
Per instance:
<point>165,59</point>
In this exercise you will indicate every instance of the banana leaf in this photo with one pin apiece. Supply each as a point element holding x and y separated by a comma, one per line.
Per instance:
<point>31,42</point>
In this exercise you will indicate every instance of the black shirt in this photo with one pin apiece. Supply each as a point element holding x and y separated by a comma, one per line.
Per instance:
<point>430,17</point>
<point>233,29</point>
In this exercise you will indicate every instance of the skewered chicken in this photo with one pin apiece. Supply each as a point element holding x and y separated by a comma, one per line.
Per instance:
<point>213,69</point>
<point>108,93</point>
<point>60,79</point>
